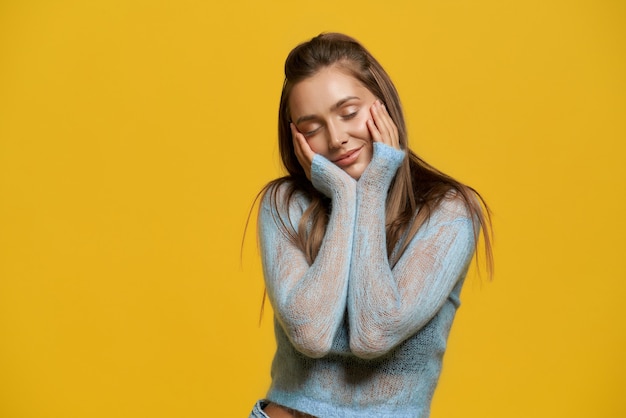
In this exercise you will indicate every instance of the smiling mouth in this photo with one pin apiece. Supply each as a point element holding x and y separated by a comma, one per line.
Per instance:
<point>348,157</point>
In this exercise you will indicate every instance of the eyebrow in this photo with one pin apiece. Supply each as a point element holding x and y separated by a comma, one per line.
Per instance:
<point>334,107</point>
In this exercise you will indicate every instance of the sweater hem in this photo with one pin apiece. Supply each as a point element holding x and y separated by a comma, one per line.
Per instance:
<point>323,409</point>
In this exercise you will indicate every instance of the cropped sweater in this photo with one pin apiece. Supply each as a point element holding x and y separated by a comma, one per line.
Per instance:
<point>355,336</point>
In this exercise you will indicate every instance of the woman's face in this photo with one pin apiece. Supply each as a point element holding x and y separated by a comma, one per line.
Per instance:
<point>331,109</point>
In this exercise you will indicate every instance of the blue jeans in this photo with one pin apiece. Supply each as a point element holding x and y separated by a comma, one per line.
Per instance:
<point>257,411</point>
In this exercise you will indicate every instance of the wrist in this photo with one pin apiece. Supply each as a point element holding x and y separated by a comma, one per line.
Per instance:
<point>386,161</point>
<point>329,179</point>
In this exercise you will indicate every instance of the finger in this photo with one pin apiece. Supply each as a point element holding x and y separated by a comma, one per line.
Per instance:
<point>301,144</point>
<point>385,125</point>
<point>374,132</point>
<point>381,124</point>
<point>303,151</point>
<point>392,129</point>
<point>297,144</point>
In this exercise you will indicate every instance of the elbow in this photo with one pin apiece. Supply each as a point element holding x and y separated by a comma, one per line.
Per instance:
<point>370,346</point>
<point>310,344</point>
<point>309,333</point>
<point>373,336</point>
<point>313,351</point>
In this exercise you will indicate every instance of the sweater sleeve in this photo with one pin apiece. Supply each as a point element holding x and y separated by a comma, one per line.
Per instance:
<point>309,301</point>
<point>385,305</point>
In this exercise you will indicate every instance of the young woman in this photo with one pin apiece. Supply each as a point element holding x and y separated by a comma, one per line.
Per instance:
<point>364,246</point>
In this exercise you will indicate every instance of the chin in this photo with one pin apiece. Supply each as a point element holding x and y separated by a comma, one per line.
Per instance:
<point>356,173</point>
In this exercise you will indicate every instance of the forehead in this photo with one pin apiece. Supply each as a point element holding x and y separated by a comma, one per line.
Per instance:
<point>318,94</point>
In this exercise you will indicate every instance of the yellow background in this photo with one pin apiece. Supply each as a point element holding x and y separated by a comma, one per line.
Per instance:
<point>134,136</point>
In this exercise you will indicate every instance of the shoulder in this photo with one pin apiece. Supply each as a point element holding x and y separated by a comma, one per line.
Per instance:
<point>454,203</point>
<point>283,197</point>
<point>455,206</point>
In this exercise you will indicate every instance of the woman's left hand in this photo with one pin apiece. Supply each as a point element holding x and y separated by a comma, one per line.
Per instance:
<point>381,126</point>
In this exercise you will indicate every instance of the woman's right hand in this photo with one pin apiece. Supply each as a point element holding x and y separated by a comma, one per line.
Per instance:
<point>303,151</point>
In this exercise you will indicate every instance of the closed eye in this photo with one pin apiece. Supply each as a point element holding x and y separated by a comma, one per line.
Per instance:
<point>349,111</point>
<point>309,134</point>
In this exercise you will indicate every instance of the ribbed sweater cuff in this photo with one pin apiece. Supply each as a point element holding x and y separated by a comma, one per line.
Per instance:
<point>382,168</point>
<point>328,178</point>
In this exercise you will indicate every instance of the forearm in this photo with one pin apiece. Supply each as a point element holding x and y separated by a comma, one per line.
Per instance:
<point>373,300</point>
<point>387,306</point>
<point>310,300</point>
<point>373,294</point>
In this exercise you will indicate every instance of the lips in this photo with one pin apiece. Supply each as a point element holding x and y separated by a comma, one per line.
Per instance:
<point>347,158</point>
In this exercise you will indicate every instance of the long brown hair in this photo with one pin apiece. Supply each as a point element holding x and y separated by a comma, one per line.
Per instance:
<point>417,186</point>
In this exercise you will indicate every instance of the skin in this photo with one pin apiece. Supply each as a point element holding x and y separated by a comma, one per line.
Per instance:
<point>277,411</point>
<point>336,116</point>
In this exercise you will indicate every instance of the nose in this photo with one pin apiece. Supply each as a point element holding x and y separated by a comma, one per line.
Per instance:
<point>336,137</point>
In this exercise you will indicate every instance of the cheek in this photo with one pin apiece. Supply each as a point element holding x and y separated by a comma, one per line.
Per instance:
<point>360,127</point>
<point>318,144</point>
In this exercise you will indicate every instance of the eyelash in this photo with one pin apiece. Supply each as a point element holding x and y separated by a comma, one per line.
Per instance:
<point>346,117</point>
<point>310,133</point>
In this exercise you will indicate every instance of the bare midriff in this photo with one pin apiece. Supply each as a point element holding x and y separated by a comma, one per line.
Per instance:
<point>278,411</point>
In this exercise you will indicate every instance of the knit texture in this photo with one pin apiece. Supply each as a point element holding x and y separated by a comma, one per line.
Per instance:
<point>356,337</point>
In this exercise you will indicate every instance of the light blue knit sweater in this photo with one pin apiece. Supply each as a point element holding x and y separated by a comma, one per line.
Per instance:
<point>356,338</point>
